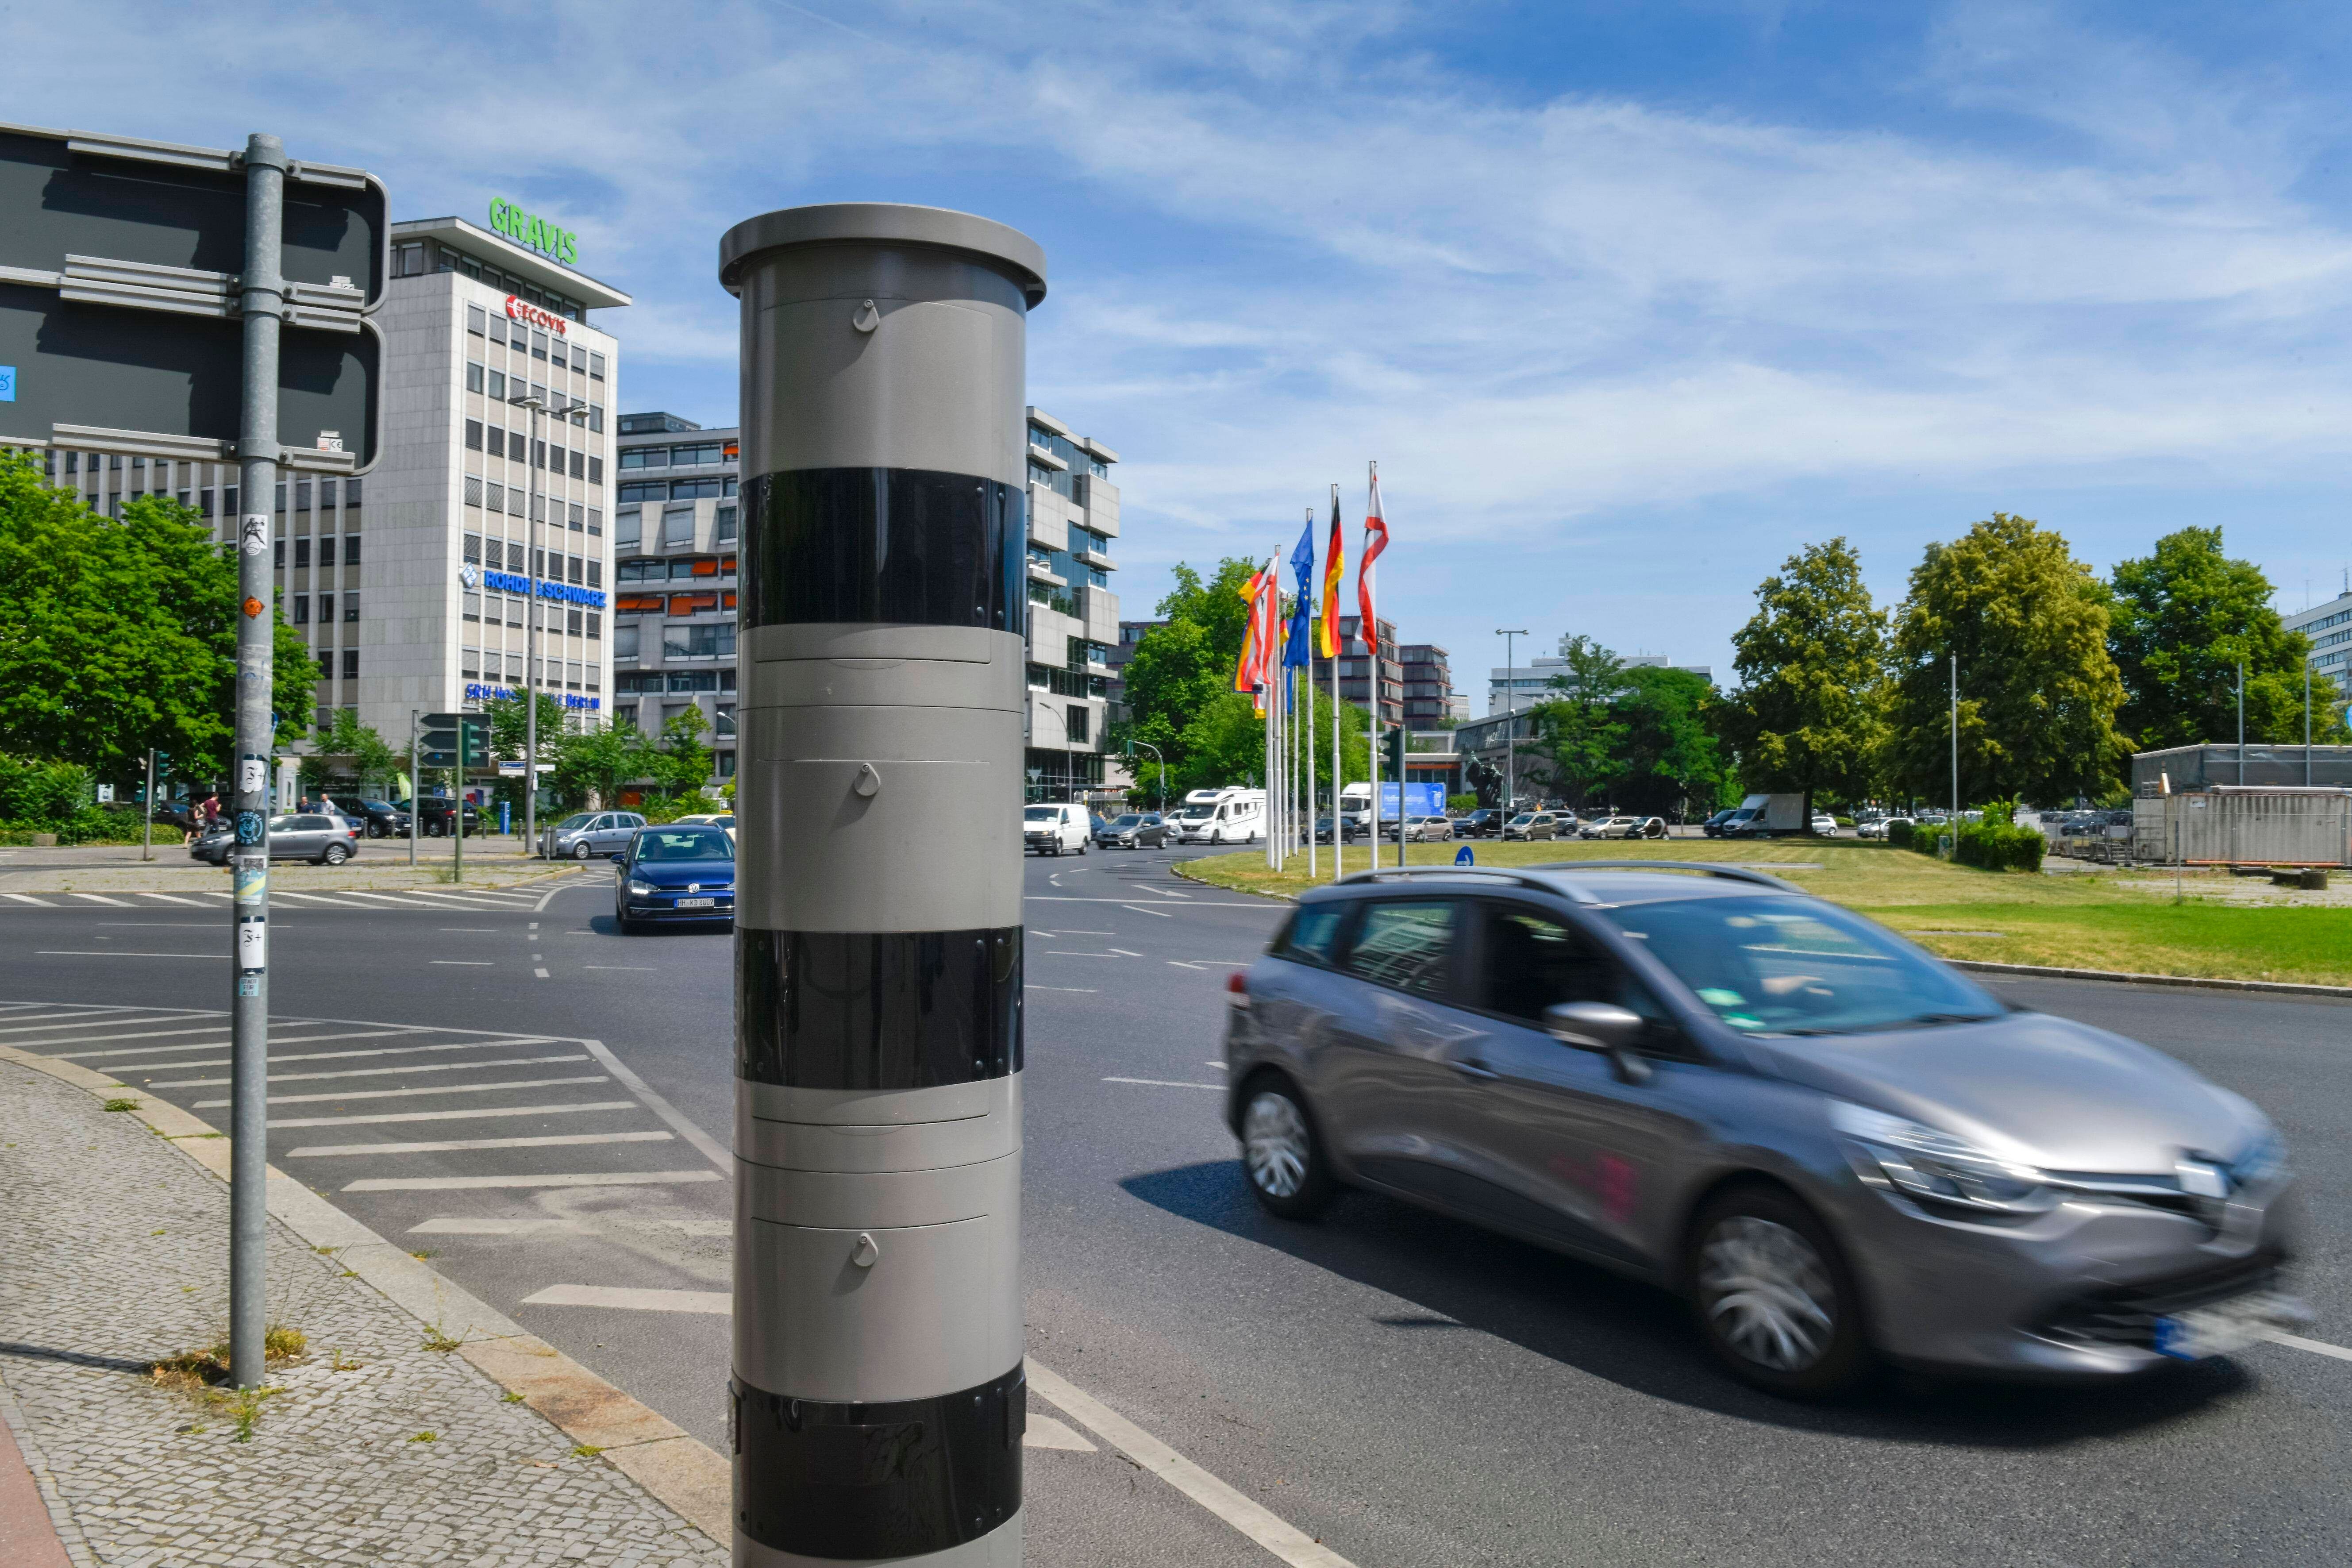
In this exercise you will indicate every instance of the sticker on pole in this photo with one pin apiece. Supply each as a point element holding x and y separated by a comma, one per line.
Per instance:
<point>252,944</point>
<point>254,537</point>
<point>252,775</point>
<point>252,881</point>
<point>252,827</point>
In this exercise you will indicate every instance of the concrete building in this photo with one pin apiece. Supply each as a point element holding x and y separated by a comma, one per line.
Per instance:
<point>2330,627</point>
<point>1531,682</point>
<point>408,582</point>
<point>675,527</point>
<point>1362,668</point>
<point>1428,684</point>
<point>1073,623</point>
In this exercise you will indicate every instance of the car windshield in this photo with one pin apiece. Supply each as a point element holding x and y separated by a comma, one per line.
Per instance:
<point>1042,814</point>
<point>1198,814</point>
<point>1774,965</point>
<point>1523,817</point>
<point>684,844</point>
<point>1129,820</point>
<point>569,823</point>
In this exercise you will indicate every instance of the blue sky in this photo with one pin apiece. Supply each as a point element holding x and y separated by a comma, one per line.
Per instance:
<point>1630,299</point>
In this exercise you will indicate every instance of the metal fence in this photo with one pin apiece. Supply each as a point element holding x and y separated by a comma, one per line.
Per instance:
<point>2258,826</point>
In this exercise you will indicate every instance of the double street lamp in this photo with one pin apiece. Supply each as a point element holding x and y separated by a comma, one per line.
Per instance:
<point>1510,720</point>
<point>573,409</point>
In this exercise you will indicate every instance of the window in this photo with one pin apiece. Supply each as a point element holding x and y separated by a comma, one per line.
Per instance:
<point>473,489</point>
<point>326,550</point>
<point>351,608</point>
<point>595,367</point>
<point>408,260</point>
<point>624,641</point>
<point>627,528</point>
<point>580,465</point>
<point>579,357</point>
<point>498,496</point>
<point>595,471</point>
<point>469,605</point>
<point>644,456</point>
<point>327,664</point>
<point>351,494</point>
<point>476,319</point>
<point>686,568</point>
<point>515,446</point>
<point>573,570</point>
<point>497,387</point>
<point>474,371</point>
<point>350,664</point>
<point>692,603</point>
<point>689,490</point>
<point>537,345</point>
<point>723,724</point>
<point>1076,723</point>
<point>498,329</point>
<point>278,556</point>
<point>596,572</point>
<point>473,547</point>
<point>693,681</point>
<point>301,617</point>
<point>596,522</point>
<point>572,625</point>
<point>326,609</point>
<point>678,526</point>
<point>595,633</point>
<point>643,491</point>
<point>539,455</point>
<point>301,554</point>
<point>595,416</point>
<point>1407,943</point>
<point>1313,934</point>
<point>695,456</point>
<point>726,530</point>
<point>705,641</point>
<point>474,434</point>
<point>1528,961</point>
<point>571,518</point>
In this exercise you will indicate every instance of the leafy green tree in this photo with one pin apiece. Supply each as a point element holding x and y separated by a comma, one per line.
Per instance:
<point>1671,760</point>
<point>509,736</point>
<point>346,748</point>
<point>681,763</point>
<point>1580,731</point>
<point>2039,693</point>
<point>1808,714</point>
<point>1179,669</point>
<point>599,758</point>
<point>2181,618</point>
<point>1215,605</point>
<point>119,635</point>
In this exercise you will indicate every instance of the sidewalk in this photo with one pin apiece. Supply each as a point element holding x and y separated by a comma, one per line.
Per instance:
<point>374,1448</point>
<point>381,864</point>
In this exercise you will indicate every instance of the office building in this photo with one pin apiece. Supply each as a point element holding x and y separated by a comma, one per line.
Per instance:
<point>1428,684</point>
<point>1073,621</point>
<point>1361,670</point>
<point>2330,627</point>
<point>408,583</point>
<point>674,536</point>
<point>1531,682</point>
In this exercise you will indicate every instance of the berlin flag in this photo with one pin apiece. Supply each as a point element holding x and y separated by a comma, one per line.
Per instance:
<point>1376,539</point>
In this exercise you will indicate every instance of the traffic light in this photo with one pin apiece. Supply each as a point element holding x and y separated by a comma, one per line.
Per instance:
<point>1392,746</point>
<point>442,739</point>
<point>475,730</point>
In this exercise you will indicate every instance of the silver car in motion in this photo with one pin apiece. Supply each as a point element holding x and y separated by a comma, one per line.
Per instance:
<point>1837,1148</point>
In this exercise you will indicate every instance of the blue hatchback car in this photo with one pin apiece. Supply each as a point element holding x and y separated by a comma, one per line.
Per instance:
<point>679,872</point>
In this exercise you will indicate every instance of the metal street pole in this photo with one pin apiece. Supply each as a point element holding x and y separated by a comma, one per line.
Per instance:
<point>879,1393</point>
<point>2306,723</point>
<point>262,298</point>
<point>1510,701</point>
<point>1956,750</point>
<point>415,788</point>
<point>529,638</point>
<point>147,834</point>
<point>2241,722</point>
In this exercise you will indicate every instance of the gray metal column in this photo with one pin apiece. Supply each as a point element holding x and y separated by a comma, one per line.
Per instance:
<point>264,297</point>
<point>878,1398</point>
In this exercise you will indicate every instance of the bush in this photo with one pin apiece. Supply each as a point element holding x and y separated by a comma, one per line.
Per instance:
<point>46,797</point>
<point>1899,835</point>
<point>1462,803</point>
<point>1997,844</point>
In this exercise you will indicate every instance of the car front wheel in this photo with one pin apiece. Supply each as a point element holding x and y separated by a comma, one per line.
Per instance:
<point>1774,1296</point>
<point>334,855</point>
<point>582,850</point>
<point>1281,1152</point>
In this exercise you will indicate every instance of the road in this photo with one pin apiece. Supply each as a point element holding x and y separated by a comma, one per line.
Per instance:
<point>1406,1389</point>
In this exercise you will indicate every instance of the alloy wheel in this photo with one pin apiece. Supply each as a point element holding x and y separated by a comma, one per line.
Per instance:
<point>1275,1144</point>
<point>1766,1292</point>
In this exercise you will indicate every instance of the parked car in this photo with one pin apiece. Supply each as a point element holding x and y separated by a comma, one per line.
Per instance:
<point>1054,829</point>
<point>1824,825</point>
<point>1428,829</point>
<point>585,835</point>
<point>674,872</point>
<point>1712,825</point>
<point>1483,823</point>
<point>1841,1149</point>
<point>725,819</point>
<point>433,817</point>
<point>1878,827</point>
<point>1616,827</point>
<point>1134,830</point>
<point>377,818</point>
<point>315,836</point>
<point>1533,824</point>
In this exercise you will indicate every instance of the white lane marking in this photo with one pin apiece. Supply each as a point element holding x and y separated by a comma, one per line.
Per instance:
<point>385,898</point>
<point>1215,963</point>
<point>471,931</point>
<point>1072,953</point>
<point>1181,965</point>
<point>139,1035</point>
<point>552,1141</point>
<point>1139,908</point>
<point>541,974</point>
<point>632,968</point>
<point>467,1224</point>
<point>1219,1065</point>
<point>109,952</point>
<point>466,963</point>
<point>102,899</point>
<point>28,899</point>
<point>718,1303</point>
<point>1268,904</point>
<point>308,899</point>
<point>25,1021</point>
<point>401,1093</point>
<point>1124,953</point>
<point>375,1072</point>
<point>1164,1083</point>
<point>1080,990</point>
<point>547,1179</point>
<point>380,1119</point>
<point>223,1061</point>
<point>1045,1432</point>
<point>183,903</point>
<point>1262,1525</point>
<point>2316,1347</point>
<point>711,1149</point>
<point>1080,933</point>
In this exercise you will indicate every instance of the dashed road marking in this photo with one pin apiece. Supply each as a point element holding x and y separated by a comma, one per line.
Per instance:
<point>397,1093</point>
<point>547,1179</point>
<point>376,1072</point>
<point>718,1303</point>
<point>1165,1083</point>
<point>455,1145</point>
<point>382,1117</point>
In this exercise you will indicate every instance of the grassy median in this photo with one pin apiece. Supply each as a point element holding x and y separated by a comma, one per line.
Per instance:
<point>2078,919</point>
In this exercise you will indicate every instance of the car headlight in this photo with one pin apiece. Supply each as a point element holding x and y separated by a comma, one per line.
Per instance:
<point>2263,1161</point>
<point>1943,1174</point>
<point>643,889</point>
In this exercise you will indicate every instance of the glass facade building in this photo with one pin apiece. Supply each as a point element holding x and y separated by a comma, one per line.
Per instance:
<point>674,531</point>
<point>1072,625</point>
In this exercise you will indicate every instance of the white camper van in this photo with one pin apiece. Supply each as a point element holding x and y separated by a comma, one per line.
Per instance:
<point>1229,815</point>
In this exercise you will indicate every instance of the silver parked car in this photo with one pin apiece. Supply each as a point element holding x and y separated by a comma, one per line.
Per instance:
<point>322,837</point>
<point>587,835</point>
<point>1837,1148</point>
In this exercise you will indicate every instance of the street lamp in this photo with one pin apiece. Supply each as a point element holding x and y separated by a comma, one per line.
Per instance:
<point>538,406</point>
<point>1510,742</point>
<point>1162,780</point>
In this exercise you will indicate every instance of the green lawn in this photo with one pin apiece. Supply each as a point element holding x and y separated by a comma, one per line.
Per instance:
<point>2083,921</point>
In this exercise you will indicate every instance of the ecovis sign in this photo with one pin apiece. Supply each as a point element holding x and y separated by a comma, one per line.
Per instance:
<point>524,310</point>
<point>555,244</point>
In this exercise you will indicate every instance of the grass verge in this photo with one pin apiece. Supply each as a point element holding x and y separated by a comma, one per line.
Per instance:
<point>2071,920</point>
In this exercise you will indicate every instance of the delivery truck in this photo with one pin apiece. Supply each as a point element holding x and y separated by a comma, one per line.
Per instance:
<point>1766,816</point>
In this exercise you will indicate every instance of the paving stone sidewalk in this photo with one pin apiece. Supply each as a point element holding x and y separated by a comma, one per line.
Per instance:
<point>374,1449</point>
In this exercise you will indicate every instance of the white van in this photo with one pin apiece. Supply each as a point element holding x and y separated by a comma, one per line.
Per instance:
<point>1055,829</point>
<point>1230,817</point>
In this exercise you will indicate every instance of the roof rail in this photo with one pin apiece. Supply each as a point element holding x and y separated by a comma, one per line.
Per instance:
<point>1409,873</point>
<point>1731,870</point>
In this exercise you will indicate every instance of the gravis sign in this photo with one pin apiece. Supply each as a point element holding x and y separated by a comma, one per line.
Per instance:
<point>559,243</point>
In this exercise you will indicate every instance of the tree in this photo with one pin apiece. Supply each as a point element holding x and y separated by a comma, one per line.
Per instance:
<point>681,763</point>
<point>119,635</point>
<point>1580,731</point>
<point>365,756</point>
<point>1180,668</point>
<point>1807,716</point>
<point>1216,606</point>
<point>2039,693</point>
<point>599,758</point>
<point>1669,754</point>
<point>2180,619</point>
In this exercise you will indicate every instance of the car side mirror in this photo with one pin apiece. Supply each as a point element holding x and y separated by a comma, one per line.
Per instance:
<point>618,858</point>
<point>1602,1027</point>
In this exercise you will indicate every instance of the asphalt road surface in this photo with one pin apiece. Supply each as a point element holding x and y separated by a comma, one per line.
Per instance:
<point>1403,1388</point>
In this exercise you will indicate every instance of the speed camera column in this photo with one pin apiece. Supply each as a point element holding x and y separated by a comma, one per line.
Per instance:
<point>878,1398</point>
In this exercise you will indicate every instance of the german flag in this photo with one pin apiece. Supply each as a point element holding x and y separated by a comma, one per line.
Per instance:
<point>1334,568</point>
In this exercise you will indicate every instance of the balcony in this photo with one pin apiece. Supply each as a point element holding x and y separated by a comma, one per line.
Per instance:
<point>1096,559</point>
<point>1041,573</point>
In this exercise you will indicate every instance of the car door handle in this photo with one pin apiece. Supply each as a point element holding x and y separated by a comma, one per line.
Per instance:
<point>1473,1067</point>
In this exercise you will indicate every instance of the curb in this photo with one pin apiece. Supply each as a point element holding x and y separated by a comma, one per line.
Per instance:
<point>677,1470</point>
<point>2038,971</point>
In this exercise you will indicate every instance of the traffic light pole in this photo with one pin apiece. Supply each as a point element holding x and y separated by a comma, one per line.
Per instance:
<point>263,301</point>
<point>879,1397</point>
<point>415,787</point>
<point>147,833</point>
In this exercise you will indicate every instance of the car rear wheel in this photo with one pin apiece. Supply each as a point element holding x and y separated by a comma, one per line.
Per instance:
<point>582,850</point>
<point>1281,1154</point>
<point>1774,1296</point>
<point>334,855</point>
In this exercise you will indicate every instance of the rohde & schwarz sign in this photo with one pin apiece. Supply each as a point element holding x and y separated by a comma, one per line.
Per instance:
<point>516,582</point>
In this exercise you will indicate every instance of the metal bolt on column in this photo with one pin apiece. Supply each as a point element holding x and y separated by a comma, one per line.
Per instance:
<point>878,1398</point>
